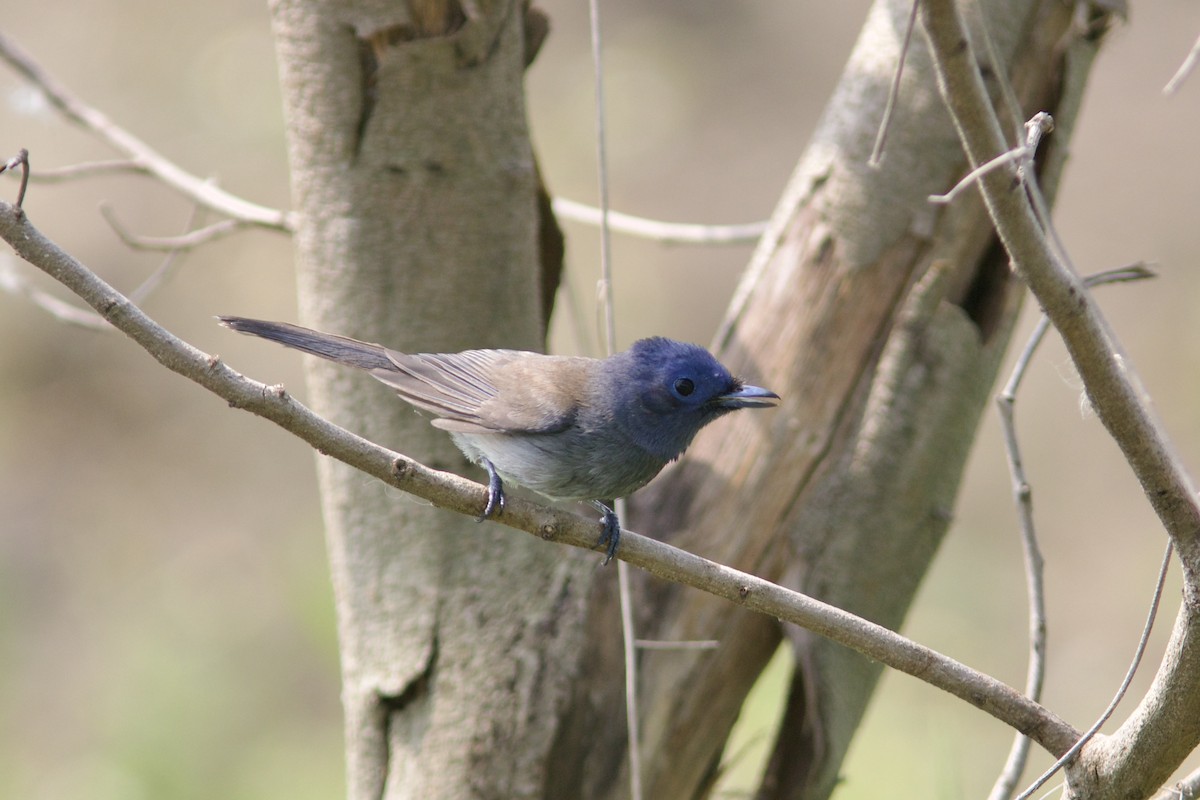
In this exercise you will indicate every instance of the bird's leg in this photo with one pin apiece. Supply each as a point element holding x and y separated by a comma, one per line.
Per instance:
<point>495,501</point>
<point>611,532</point>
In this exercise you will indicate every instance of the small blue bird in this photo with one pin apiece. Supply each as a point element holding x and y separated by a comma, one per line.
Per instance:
<point>569,428</point>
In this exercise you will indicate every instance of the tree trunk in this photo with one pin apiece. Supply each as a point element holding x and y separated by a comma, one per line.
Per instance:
<point>415,184</point>
<point>882,320</point>
<point>482,664</point>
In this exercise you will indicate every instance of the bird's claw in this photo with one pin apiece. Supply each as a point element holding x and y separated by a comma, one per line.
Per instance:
<point>495,498</point>
<point>610,531</point>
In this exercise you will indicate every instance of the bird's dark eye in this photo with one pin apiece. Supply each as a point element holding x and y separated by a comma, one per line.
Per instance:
<point>684,387</point>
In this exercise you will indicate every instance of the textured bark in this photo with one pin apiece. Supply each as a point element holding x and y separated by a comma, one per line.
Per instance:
<point>415,188</point>
<point>478,664</point>
<point>882,321</point>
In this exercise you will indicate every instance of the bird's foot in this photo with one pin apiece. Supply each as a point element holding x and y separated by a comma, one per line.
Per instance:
<point>610,533</point>
<point>495,499</point>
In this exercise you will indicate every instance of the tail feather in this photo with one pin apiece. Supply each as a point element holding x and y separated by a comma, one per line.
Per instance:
<point>341,349</point>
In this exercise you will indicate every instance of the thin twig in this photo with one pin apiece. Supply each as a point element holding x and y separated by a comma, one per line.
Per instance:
<point>187,241</point>
<point>1035,673</point>
<point>1011,104</point>
<point>659,231</point>
<point>1014,766</point>
<point>606,290</point>
<point>1007,157</point>
<point>168,265</point>
<point>629,642</point>
<point>889,108</point>
<point>1185,69</point>
<point>141,154</point>
<point>449,491</point>
<point>608,315</point>
<point>1133,667</point>
<point>89,169</point>
<point>1040,124</point>
<point>13,283</point>
<point>21,159</point>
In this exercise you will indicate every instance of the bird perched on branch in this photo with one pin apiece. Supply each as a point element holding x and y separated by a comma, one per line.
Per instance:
<point>569,428</point>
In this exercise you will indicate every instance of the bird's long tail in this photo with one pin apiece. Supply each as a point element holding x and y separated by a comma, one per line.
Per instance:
<point>341,349</point>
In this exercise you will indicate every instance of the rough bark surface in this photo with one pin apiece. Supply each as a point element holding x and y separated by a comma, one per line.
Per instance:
<point>882,321</point>
<point>414,184</point>
<point>478,664</point>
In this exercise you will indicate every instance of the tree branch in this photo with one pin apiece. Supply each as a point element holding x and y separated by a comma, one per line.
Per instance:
<point>1014,767</point>
<point>184,241</point>
<point>141,155</point>
<point>1165,727</point>
<point>449,491</point>
<point>665,232</point>
<point>1185,69</point>
<point>89,169</point>
<point>1113,388</point>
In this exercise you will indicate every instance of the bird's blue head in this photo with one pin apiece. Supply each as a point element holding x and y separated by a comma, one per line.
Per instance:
<point>666,391</point>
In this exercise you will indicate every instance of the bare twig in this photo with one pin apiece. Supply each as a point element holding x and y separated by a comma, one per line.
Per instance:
<point>1014,766</point>
<point>889,108</point>
<point>449,491</point>
<point>21,159</point>
<point>608,314</point>
<point>1012,106</point>
<point>1139,651</point>
<point>1007,157</point>
<point>191,239</point>
<point>1185,69</point>
<point>1041,123</point>
<point>142,156</point>
<point>167,267</point>
<point>89,169</point>
<point>665,232</point>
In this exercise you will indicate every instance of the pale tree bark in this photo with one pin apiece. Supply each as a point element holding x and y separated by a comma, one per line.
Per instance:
<point>478,664</point>
<point>415,191</point>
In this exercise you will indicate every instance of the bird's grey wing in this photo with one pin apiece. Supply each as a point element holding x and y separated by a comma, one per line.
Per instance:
<point>490,391</point>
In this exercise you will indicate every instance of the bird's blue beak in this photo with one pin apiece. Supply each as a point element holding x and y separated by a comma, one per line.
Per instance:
<point>748,397</point>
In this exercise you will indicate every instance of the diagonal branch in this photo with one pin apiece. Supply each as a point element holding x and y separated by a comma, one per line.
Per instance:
<point>141,155</point>
<point>1113,388</point>
<point>1185,69</point>
<point>454,493</point>
<point>1165,727</point>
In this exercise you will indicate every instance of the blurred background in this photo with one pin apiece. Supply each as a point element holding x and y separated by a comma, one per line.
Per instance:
<point>166,625</point>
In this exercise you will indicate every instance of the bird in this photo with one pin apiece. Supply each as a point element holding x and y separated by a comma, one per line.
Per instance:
<point>570,428</point>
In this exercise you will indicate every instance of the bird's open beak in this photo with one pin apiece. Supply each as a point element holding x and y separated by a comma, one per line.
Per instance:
<point>749,397</point>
